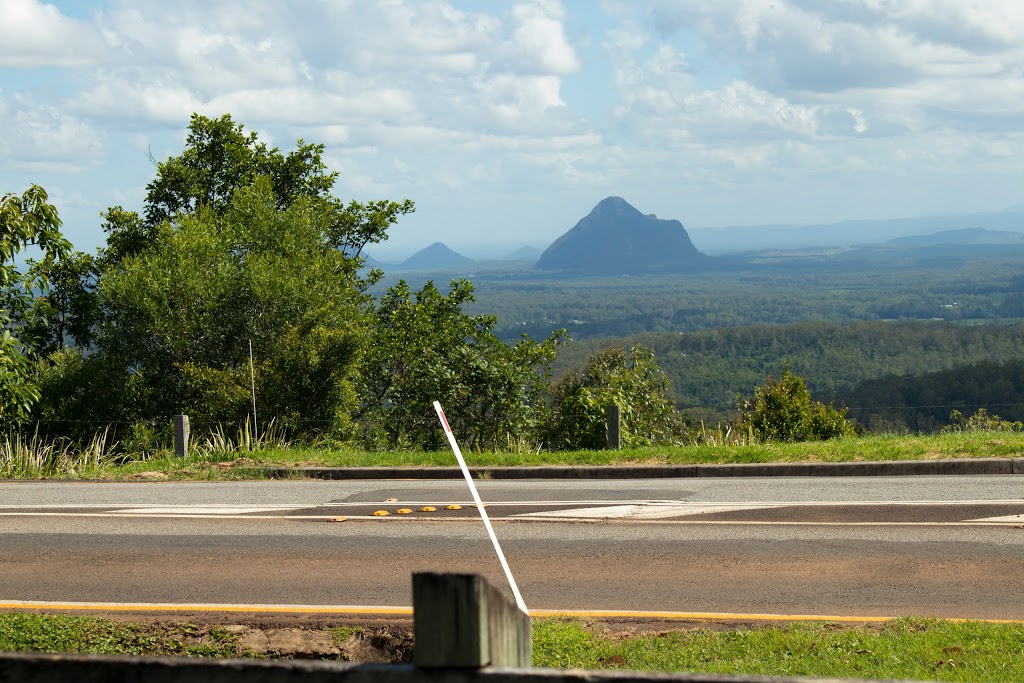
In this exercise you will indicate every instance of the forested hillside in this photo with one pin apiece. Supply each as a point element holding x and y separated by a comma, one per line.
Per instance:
<point>708,369</point>
<point>922,403</point>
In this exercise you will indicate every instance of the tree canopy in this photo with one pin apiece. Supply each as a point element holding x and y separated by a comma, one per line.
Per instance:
<point>236,242</point>
<point>629,379</point>
<point>27,222</point>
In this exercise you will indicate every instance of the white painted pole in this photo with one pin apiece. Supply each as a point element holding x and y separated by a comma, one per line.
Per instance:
<point>480,507</point>
<point>252,377</point>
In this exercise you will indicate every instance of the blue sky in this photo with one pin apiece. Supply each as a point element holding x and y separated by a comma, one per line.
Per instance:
<point>507,121</point>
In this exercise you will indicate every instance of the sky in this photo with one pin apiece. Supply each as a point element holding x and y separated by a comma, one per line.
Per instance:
<point>506,122</point>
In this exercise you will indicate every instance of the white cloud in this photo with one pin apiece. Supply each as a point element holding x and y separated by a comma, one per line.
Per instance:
<point>42,137</point>
<point>823,85</point>
<point>540,38</point>
<point>35,35</point>
<point>349,66</point>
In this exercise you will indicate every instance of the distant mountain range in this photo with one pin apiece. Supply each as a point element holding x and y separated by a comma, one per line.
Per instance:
<point>615,238</point>
<point>751,238</point>
<point>965,236</point>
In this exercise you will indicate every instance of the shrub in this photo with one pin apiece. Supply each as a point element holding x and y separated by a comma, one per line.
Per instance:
<point>631,380</point>
<point>782,410</point>
<point>981,421</point>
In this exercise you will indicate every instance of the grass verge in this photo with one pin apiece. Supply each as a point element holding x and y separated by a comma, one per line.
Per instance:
<point>43,461</point>
<point>917,649</point>
<point>977,444</point>
<point>20,632</point>
<point>903,649</point>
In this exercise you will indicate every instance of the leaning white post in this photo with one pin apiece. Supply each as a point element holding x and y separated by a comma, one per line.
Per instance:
<point>480,507</point>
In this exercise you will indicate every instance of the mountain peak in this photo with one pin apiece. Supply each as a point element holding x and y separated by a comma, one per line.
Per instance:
<point>614,206</point>
<point>435,257</point>
<point>616,238</point>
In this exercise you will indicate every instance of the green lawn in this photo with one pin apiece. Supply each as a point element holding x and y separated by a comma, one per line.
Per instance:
<point>902,649</point>
<point>225,463</point>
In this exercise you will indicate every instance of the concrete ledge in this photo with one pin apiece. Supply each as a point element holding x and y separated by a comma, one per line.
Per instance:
<point>884,468</point>
<point>43,668</point>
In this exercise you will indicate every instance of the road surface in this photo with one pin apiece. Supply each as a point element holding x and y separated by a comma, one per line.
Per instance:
<point>932,546</point>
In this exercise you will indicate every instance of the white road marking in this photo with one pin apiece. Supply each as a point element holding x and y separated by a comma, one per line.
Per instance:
<point>582,511</point>
<point>201,510</point>
<point>1008,519</point>
<point>641,511</point>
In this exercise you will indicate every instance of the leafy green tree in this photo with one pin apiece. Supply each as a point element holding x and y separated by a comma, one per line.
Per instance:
<point>631,380</point>
<point>782,410</point>
<point>69,313</point>
<point>182,312</point>
<point>219,158</point>
<point>26,222</point>
<point>425,348</point>
<point>236,241</point>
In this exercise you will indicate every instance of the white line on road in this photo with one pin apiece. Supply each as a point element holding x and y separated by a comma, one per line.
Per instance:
<point>641,511</point>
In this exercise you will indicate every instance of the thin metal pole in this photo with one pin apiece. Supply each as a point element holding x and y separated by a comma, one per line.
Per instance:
<point>480,507</point>
<point>252,376</point>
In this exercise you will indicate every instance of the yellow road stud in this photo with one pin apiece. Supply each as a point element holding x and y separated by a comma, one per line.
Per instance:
<point>391,500</point>
<point>454,507</point>
<point>381,513</point>
<point>403,511</point>
<point>475,505</point>
<point>338,519</point>
<point>428,508</point>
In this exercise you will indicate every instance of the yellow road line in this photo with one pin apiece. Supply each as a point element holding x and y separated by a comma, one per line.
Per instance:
<point>407,611</point>
<point>200,607</point>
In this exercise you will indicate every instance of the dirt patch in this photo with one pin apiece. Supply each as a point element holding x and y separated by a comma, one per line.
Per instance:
<point>625,628</point>
<point>373,644</point>
<point>276,636</point>
<point>148,476</point>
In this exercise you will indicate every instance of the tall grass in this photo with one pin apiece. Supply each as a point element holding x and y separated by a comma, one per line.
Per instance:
<point>35,457</point>
<point>222,444</point>
<point>722,434</point>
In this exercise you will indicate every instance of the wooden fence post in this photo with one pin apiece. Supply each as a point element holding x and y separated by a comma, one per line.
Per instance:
<point>181,436</point>
<point>614,416</point>
<point>462,621</point>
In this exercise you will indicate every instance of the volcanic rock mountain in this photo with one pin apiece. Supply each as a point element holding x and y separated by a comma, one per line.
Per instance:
<point>435,257</point>
<point>615,238</point>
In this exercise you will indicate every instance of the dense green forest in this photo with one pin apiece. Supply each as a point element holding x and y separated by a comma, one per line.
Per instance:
<point>986,286</point>
<point>707,370</point>
<point>922,403</point>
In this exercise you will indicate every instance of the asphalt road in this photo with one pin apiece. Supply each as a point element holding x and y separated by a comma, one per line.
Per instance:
<point>935,546</point>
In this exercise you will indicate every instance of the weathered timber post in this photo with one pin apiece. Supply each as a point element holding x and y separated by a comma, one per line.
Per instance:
<point>614,416</point>
<point>181,436</point>
<point>462,621</point>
